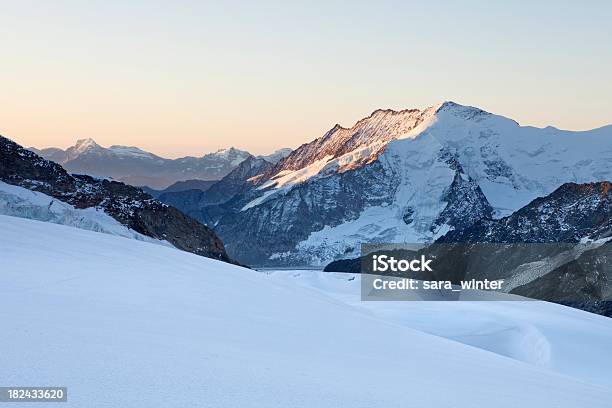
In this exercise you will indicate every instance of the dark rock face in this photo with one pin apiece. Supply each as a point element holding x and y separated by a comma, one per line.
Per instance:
<point>584,282</point>
<point>575,276</point>
<point>466,206</point>
<point>466,203</point>
<point>283,221</point>
<point>23,167</point>
<point>407,215</point>
<point>352,265</point>
<point>570,213</point>
<point>128,205</point>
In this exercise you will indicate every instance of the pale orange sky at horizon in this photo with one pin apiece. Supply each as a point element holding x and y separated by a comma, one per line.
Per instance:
<point>164,149</point>
<point>188,78</point>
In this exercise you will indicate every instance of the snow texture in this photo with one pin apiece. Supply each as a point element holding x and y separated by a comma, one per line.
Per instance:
<point>131,324</point>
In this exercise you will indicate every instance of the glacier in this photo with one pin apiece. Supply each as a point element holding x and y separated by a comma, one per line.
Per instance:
<point>127,323</point>
<point>20,202</point>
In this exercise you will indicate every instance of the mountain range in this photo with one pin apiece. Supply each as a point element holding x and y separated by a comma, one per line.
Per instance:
<point>395,176</point>
<point>448,174</point>
<point>137,167</point>
<point>36,188</point>
<point>557,248</point>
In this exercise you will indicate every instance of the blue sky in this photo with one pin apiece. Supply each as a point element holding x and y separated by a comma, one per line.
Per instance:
<point>189,77</point>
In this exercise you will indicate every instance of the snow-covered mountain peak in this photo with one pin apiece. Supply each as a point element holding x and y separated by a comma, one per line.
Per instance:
<point>373,133</point>
<point>450,105</point>
<point>232,155</point>
<point>229,151</point>
<point>411,176</point>
<point>83,145</point>
<point>464,131</point>
<point>452,113</point>
<point>138,167</point>
<point>454,107</point>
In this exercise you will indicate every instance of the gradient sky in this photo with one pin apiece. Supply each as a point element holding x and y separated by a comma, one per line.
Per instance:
<point>184,78</point>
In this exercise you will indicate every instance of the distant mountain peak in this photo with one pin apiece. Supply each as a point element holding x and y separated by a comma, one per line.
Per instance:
<point>85,144</point>
<point>138,167</point>
<point>84,141</point>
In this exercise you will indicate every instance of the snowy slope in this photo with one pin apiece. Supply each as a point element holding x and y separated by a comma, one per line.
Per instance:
<point>558,338</point>
<point>514,164</point>
<point>131,324</point>
<point>20,202</point>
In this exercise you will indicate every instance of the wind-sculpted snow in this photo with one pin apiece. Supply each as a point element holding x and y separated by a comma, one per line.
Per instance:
<point>124,323</point>
<point>558,338</point>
